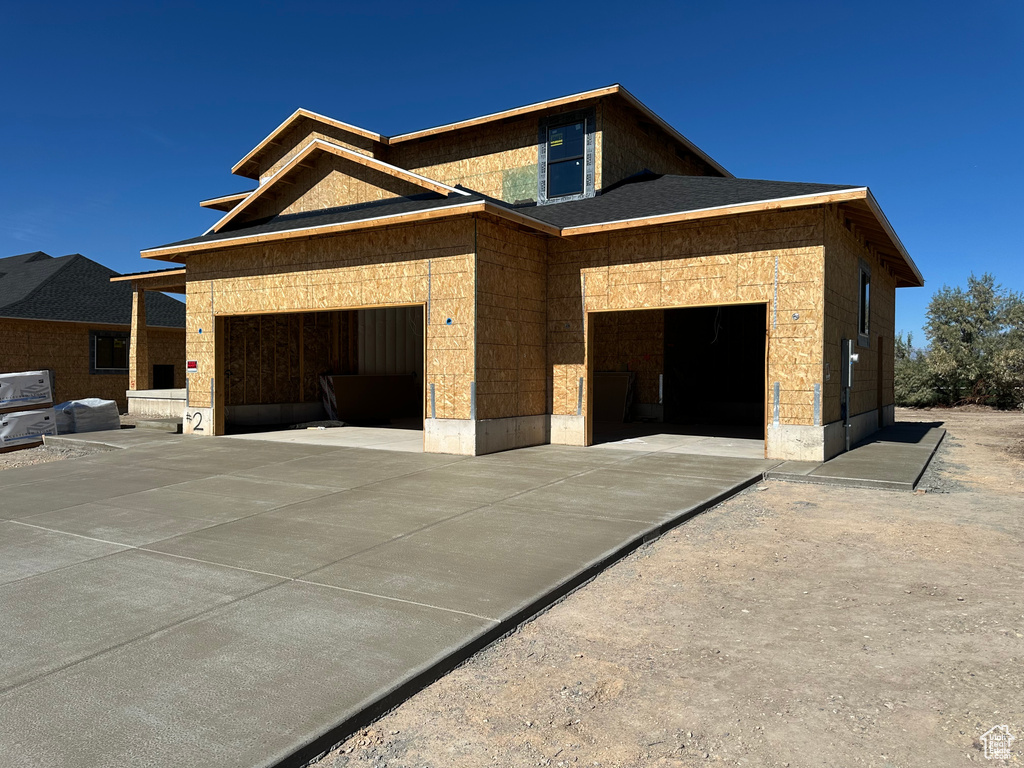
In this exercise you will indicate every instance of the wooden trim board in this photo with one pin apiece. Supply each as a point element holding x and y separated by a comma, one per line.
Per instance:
<point>299,114</point>
<point>347,154</point>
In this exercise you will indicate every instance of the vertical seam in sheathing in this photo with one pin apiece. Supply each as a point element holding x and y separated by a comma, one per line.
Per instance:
<point>583,297</point>
<point>817,404</point>
<point>775,295</point>
<point>428,291</point>
<point>775,406</point>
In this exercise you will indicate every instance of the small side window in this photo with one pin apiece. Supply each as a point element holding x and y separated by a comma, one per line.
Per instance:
<point>864,307</point>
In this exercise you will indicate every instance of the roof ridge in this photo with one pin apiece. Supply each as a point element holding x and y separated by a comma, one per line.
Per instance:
<point>49,278</point>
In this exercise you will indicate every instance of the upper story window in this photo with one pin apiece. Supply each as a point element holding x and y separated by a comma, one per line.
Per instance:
<point>565,169</point>
<point>565,159</point>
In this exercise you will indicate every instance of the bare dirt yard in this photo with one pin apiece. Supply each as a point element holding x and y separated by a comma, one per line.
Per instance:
<point>43,454</point>
<point>794,625</point>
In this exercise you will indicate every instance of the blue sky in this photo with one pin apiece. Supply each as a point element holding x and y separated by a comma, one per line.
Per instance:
<point>117,118</point>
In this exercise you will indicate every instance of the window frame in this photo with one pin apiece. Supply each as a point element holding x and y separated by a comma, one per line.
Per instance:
<point>585,116</point>
<point>94,337</point>
<point>864,304</point>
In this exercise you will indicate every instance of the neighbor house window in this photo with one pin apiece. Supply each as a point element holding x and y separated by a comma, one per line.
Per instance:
<point>864,306</point>
<point>109,352</point>
<point>566,144</point>
<point>565,167</point>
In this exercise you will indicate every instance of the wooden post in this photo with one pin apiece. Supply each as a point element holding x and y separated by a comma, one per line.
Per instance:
<point>218,398</point>
<point>588,383</point>
<point>139,371</point>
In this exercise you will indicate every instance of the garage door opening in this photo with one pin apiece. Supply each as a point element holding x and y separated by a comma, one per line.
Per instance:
<point>664,377</point>
<point>362,367</point>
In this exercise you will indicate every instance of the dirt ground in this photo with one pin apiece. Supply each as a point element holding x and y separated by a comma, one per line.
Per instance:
<point>794,625</point>
<point>42,454</point>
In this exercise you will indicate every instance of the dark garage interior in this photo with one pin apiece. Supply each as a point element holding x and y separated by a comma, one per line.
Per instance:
<point>698,371</point>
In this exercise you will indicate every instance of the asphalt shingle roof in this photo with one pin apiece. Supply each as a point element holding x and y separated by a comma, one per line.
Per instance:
<point>348,213</point>
<point>650,195</point>
<point>36,286</point>
<point>640,196</point>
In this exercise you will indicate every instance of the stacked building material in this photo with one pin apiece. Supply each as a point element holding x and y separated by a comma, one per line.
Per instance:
<point>26,409</point>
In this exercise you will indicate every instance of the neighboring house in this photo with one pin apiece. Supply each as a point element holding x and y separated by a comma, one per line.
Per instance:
<point>64,314</point>
<point>530,274</point>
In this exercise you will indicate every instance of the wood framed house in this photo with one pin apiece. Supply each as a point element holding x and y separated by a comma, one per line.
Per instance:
<point>64,314</point>
<point>535,274</point>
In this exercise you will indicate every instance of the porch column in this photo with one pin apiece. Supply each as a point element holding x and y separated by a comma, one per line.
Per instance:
<point>139,370</point>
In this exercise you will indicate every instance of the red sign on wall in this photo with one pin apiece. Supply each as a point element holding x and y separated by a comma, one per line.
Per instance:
<point>191,365</point>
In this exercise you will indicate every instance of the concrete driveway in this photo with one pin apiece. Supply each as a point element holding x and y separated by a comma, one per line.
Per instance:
<point>195,602</point>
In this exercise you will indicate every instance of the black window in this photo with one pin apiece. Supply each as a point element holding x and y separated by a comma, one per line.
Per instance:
<point>566,145</point>
<point>111,352</point>
<point>864,307</point>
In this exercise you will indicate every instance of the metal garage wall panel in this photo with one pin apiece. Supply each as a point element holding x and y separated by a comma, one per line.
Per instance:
<point>390,340</point>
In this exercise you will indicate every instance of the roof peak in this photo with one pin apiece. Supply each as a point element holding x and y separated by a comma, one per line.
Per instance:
<point>594,93</point>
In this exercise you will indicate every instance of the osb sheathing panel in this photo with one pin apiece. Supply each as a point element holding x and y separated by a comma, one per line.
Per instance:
<point>727,261</point>
<point>477,159</point>
<point>511,322</point>
<point>292,141</point>
<point>330,182</point>
<point>278,358</point>
<point>348,271</point>
<point>65,348</point>
<point>632,341</point>
<point>630,144</point>
<point>843,254</point>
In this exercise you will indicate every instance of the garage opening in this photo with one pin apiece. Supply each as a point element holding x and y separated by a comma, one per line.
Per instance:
<point>673,375</point>
<point>360,367</point>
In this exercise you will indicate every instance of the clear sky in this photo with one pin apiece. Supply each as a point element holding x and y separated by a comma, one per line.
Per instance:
<point>117,118</point>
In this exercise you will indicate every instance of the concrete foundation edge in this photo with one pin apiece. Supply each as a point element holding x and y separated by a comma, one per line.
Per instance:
<point>568,430</point>
<point>198,422</point>
<point>156,403</point>
<point>476,437</point>
<point>790,442</point>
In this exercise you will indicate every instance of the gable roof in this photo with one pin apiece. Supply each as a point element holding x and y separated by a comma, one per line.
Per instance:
<point>610,90</point>
<point>292,119</point>
<point>319,145</point>
<point>644,200</point>
<point>615,89</point>
<point>37,286</point>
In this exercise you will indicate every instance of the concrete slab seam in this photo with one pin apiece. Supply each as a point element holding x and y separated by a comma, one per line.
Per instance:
<point>313,751</point>
<point>139,638</point>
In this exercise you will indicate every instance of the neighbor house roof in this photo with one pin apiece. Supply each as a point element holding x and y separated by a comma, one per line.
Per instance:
<point>246,166</point>
<point>643,200</point>
<point>37,286</point>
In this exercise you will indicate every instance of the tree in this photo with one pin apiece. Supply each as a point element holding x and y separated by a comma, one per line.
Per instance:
<point>976,344</point>
<point>913,378</point>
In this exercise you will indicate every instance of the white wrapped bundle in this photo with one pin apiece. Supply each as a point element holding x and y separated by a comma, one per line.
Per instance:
<point>89,415</point>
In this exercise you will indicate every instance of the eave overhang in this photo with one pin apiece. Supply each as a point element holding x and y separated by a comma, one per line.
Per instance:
<point>857,204</point>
